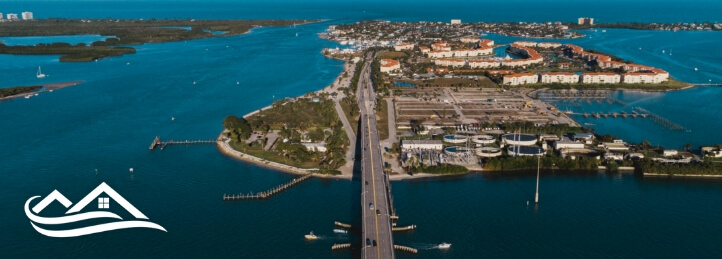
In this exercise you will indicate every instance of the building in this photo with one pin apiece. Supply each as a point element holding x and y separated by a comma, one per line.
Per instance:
<point>450,62</point>
<point>567,143</point>
<point>441,46</point>
<point>484,63</point>
<point>469,39</point>
<point>389,65</point>
<point>669,152</point>
<point>639,78</point>
<point>601,78</point>
<point>520,79</point>
<point>1,17</point>
<point>440,54</point>
<point>584,136</point>
<point>564,65</point>
<point>585,21</point>
<point>548,45</point>
<point>424,49</point>
<point>486,43</point>
<point>12,16</point>
<point>413,144</point>
<point>27,15</point>
<point>559,77</point>
<point>455,21</point>
<point>403,46</point>
<point>318,147</point>
<point>484,51</point>
<point>526,43</point>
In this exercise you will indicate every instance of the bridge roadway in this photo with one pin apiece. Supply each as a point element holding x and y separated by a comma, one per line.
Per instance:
<point>374,189</point>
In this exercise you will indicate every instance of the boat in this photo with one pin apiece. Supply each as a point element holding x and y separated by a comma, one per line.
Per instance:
<point>604,30</point>
<point>40,74</point>
<point>297,34</point>
<point>695,69</point>
<point>444,246</point>
<point>27,97</point>
<point>311,236</point>
<point>589,124</point>
<point>339,231</point>
<point>662,51</point>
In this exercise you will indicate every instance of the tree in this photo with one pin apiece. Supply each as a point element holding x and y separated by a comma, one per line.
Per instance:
<point>645,145</point>
<point>687,146</point>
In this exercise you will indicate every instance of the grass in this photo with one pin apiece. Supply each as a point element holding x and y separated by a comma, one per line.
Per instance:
<point>353,120</point>
<point>382,125</point>
<point>257,151</point>
<point>392,55</point>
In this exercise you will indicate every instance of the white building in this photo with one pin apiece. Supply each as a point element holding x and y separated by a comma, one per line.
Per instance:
<point>424,49</point>
<point>601,78</point>
<point>441,46</point>
<point>521,79</point>
<point>469,39</point>
<point>567,143</point>
<point>413,144</point>
<point>526,43</point>
<point>548,45</point>
<point>440,54</point>
<point>403,46</point>
<point>483,51</point>
<point>12,16</point>
<point>450,62</point>
<point>484,63</point>
<point>559,77</point>
<point>2,17</point>
<point>318,147</point>
<point>455,21</point>
<point>27,15</point>
<point>389,65</point>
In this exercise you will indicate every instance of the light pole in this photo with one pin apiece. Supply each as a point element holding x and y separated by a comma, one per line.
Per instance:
<point>536,197</point>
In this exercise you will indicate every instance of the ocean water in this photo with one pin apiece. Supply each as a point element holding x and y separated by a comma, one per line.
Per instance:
<point>58,140</point>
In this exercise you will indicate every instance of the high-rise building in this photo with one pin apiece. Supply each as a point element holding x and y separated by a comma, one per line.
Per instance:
<point>455,21</point>
<point>12,16</point>
<point>585,21</point>
<point>27,15</point>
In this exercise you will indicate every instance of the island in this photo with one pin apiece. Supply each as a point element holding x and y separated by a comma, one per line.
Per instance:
<point>446,104</point>
<point>121,33</point>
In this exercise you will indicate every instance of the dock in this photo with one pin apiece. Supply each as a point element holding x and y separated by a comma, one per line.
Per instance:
<point>268,193</point>
<point>412,227</point>
<point>158,142</point>
<point>406,249</point>
<point>340,246</point>
<point>342,225</point>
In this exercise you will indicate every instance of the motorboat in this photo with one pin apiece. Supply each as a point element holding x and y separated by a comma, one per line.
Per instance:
<point>311,236</point>
<point>340,231</point>
<point>444,246</point>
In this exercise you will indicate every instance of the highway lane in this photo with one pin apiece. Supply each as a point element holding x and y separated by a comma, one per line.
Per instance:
<point>377,237</point>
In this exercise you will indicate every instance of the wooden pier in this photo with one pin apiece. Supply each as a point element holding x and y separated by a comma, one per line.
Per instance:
<point>406,249</point>
<point>340,246</point>
<point>412,227</point>
<point>268,193</point>
<point>158,142</point>
<point>660,120</point>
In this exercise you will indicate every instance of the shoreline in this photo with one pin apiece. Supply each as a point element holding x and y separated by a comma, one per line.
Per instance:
<point>683,175</point>
<point>45,88</point>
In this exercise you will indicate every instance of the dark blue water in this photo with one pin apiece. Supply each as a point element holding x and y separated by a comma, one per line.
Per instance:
<point>57,141</point>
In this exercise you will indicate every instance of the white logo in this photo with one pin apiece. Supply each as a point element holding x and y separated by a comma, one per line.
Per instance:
<point>103,203</point>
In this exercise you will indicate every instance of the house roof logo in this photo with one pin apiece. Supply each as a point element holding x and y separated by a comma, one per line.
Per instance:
<point>103,203</point>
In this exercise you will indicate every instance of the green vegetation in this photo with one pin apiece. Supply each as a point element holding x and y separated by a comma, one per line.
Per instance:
<point>438,169</point>
<point>293,121</point>
<point>547,162</point>
<point>126,31</point>
<point>382,125</point>
<point>72,53</point>
<point>392,55</point>
<point>5,92</point>
<point>647,165</point>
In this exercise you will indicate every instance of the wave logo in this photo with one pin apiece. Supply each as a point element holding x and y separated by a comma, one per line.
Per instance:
<point>103,204</point>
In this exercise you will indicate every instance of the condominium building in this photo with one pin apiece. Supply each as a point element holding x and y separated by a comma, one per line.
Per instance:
<point>403,46</point>
<point>450,62</point>
<point>484,63</point>
<point>560,77</point>
<point>601,78</point>
<point>520,79</point>
<point>389,65</point>
<point>27,15</point>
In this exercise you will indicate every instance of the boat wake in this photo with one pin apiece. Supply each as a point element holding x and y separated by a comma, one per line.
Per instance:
<point>424,246</point>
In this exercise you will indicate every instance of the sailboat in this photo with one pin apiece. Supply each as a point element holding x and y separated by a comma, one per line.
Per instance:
<point>40,74</point>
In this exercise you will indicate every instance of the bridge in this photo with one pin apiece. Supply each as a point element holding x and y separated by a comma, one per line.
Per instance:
<point>376,205</point>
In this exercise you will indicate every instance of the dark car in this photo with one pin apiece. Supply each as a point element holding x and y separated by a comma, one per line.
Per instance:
<point>374,242</point>
<point>368,242</point>
<point>378,212</point>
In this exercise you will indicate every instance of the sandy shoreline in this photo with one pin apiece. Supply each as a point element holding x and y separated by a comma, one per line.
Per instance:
<point>45,88</point>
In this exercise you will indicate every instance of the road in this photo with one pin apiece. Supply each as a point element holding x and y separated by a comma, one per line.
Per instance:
<point>377,239</point>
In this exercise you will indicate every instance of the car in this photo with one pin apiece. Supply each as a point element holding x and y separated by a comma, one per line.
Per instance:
<point>371,206</point>
<point>368,242</point>
<point>367,182</point>
<point>374,242</point>
<point>378,212</point>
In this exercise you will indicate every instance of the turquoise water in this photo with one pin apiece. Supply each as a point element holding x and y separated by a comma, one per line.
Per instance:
<point>71,39</point>
<point>57,141</point>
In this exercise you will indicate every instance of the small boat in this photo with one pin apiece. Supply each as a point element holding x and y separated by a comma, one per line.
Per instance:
<point>194,82</point>
<point>311,236</point>
<point>50,91</point>
<point>40,74</point>
<point>589,124</point>
<point>36,94</point>
<point>172,118</point>
<point>339,231</point>
<point>695,69</point>
<point>27,97</point>
<point>238,83</point>
<point>444,246</point>
<point>604,30</point>
<point>662,51</point>
<point>297,34</point>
